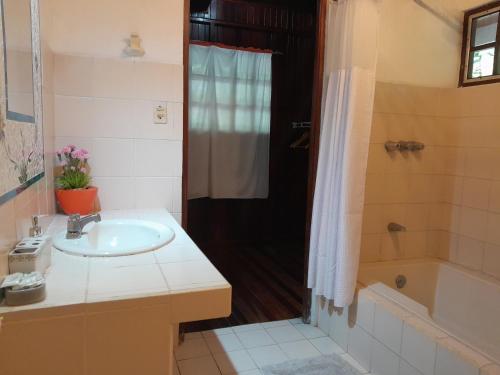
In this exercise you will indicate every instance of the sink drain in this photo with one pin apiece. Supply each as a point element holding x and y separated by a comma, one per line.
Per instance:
<point>401,281</point>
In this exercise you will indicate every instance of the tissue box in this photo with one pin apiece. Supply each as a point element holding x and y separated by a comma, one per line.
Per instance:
<point>30,255</point>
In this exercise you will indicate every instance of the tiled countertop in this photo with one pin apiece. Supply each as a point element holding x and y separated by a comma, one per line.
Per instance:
<point>177,270</point>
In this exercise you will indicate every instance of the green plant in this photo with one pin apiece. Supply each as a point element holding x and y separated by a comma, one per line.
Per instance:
<point>75,168</point>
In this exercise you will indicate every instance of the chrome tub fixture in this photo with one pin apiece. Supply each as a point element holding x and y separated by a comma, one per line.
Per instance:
<point>395,227</point>
<point>404,146</point>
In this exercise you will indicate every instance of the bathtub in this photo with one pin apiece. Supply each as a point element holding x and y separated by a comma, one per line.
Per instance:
<point>464,304</point>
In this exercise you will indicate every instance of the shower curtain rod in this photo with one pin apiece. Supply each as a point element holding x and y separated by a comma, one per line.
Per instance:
<point>453,24</point>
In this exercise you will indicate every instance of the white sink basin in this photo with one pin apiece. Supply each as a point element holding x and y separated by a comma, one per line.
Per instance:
<point>112,238</point>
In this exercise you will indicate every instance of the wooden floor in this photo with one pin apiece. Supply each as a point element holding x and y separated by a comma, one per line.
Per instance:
<point>267,283</point>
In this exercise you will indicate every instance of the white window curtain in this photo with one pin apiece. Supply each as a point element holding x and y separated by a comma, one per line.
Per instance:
<point>343,155</point>
<point>230,120</point>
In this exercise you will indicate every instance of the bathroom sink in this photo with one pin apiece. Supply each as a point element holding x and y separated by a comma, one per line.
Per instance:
<point>112,238</point>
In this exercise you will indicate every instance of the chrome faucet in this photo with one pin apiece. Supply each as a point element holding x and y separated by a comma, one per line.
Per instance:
<point>77,223</point>
<point>395,227</point>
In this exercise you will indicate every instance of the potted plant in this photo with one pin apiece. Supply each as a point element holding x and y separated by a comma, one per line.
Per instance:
<point>73,192</point>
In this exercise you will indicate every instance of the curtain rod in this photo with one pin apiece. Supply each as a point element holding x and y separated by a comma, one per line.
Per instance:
<point>226,46</point>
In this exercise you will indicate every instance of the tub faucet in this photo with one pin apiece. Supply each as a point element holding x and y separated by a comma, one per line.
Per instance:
<point>395,227</point>
<point>77,223</point>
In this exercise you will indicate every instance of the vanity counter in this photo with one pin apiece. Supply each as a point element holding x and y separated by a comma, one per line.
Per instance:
<point>176,271</point>
<point>113,315</point>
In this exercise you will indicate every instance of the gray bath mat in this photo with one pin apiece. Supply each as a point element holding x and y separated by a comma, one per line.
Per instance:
<point>324,365</point>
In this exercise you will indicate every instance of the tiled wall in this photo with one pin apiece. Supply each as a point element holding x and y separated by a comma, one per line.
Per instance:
<point>15,215</point>
<point>106,105</point>
<point>389,340</point>
<point>448,195</point>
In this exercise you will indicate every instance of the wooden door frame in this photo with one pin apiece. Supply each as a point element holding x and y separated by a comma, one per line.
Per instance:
<point>317,99</point>
<point>321,9</point>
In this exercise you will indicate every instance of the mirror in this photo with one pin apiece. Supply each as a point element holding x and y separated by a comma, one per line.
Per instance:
<point>21,133</point>
<point>18,60</point>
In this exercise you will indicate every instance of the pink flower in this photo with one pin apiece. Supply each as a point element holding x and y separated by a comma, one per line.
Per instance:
<point>81,155</point>
<point>83,170</point>
<point>66,150</point>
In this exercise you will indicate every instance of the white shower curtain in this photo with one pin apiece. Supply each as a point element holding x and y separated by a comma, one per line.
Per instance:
<point>230,119</point>
<point>343,155</point>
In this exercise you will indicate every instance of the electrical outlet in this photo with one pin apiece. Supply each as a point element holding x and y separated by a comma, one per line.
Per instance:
<point>160,114</point>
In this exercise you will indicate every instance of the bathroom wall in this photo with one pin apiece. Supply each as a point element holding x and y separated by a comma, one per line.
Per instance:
<point>104,101</point>
<point>38,199</point>
<point>418,48</point>
<point>448,195</point>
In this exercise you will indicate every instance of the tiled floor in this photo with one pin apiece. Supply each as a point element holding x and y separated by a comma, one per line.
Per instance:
<point>244,349</point>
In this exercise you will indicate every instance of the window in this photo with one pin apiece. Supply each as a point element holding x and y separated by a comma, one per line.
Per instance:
<point>481,46</point>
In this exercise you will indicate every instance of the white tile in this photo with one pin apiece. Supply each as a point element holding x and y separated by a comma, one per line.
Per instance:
<point>192,349</point>
<point>406,369</point>
<point>111,157</point>
<point>360,346</point>
<point>339,329</point>
<point>197,366</point>
<point>115,281</point>
<point>192,273</point>
<point>418,349</point>
<point>176,195</point>
<point>173,253</point>
<point>234,362</point>
<point>125,261</point>
<point>326,345</point>
<point>224,343</point>
<point>299,349</point>
<point>115,192</point>
<point>324,318</point>
<point>384,361</point>
<point>276,323</point>
<point>250,372</point>
<point>296,321</point>
<point>158,158</point>
<point>449,363</point>
<point>453,357</point>
<point>267,355</point>
<point>365,313</point>
<point>285,334</point>
<point>252,339</point>
<point>309,331</point>
<point>247,327</point>
<point>388,325</point>
<point>111,118</point>
<point>154,192</point>
<point>72,116</point>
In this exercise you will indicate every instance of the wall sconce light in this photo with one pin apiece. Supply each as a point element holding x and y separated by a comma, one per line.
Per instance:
<point>134,48</point>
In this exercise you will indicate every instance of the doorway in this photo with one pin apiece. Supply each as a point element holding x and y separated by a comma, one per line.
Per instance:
<point>260,245</point>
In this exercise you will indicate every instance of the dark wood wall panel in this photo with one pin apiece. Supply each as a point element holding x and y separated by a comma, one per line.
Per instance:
<point>287,27</point>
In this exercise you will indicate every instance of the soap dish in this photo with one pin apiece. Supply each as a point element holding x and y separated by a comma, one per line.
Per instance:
<point>24,296</point>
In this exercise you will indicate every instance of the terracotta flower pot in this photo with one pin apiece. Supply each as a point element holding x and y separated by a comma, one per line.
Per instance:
<point>77,201</point>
